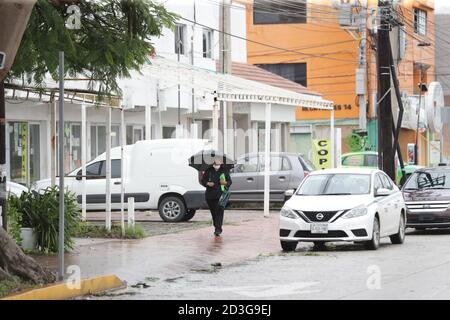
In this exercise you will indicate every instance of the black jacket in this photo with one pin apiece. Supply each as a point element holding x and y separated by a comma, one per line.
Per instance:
<point>214,176</point>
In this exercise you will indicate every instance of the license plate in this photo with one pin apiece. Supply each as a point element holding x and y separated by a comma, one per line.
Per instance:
<point>319,228</point>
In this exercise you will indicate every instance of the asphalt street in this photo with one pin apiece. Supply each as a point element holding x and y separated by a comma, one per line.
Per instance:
<point>418,269</point>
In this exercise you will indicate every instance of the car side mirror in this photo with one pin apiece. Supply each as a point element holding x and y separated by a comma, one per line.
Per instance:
<point>289,193</point>
<point>382,192</point>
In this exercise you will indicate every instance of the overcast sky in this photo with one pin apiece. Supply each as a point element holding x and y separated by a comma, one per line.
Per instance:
<point>442,6</point>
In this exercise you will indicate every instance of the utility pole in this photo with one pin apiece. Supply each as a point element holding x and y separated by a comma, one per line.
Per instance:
<point>362,71</point>
<point>385,117</point>
<point>192,61</point>
<point>3,194</point>
<point>226,68</point>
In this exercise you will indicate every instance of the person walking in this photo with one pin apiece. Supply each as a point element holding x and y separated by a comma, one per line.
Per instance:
<point>216,179</point>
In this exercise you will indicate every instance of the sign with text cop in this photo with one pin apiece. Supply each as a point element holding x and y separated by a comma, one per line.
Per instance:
<point>322,154</point>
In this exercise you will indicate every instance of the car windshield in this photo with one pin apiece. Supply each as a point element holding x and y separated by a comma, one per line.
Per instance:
<point>424,180</point>
<point>335,184</point>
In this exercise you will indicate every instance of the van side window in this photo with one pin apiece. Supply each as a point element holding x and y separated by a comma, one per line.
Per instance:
<point>115,169</point>
<point>91,170</point>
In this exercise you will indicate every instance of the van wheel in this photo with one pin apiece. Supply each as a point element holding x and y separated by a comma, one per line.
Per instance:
<point>172,209</point>
<point>189,215</point>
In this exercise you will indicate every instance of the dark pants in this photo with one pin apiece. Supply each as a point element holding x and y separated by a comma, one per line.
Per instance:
<point>216,213</point>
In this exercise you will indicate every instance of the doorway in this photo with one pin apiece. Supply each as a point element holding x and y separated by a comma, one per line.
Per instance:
<point>24,156</point>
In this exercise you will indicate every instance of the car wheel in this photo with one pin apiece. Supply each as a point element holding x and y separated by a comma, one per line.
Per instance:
<point>172,209</point>
<point>288,246</point>
<point>399,238</point>
<point>374,244</point>
<point>319,245</point>
<point>189,215</point>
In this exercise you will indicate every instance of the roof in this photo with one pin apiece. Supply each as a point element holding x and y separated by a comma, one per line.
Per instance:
<point>227,87</point>
<point>255,73</point>
<point>439,168</point>
<point>374,153</point>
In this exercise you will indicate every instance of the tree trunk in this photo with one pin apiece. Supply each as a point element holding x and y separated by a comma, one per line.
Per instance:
<point>14,16</point>
<point>13,262</point>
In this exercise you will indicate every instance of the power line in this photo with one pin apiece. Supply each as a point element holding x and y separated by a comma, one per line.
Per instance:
<point>264,44</point>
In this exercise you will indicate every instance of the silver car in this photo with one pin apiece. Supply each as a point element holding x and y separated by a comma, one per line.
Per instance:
<point>287,171</point>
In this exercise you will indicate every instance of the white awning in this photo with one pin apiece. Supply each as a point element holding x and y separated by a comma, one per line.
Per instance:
<point>226,87</point>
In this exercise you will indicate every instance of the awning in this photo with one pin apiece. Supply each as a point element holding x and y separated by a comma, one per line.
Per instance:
<point>227,87</point>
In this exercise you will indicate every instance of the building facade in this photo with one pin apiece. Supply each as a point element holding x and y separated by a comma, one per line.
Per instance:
<point>320,45</point>
<point>158,107</point>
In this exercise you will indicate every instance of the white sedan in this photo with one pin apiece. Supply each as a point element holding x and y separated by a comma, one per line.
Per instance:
<point>358,205</point>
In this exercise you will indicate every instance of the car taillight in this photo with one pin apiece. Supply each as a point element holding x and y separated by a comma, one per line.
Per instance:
<point>305,174</point>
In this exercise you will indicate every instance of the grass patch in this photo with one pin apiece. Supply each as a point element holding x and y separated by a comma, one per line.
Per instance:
<point>312,254</point>
<point>152,279</point>
<point>88,230</point>
<point>9,287</point>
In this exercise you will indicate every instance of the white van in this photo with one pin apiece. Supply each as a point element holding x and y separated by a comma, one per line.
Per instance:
<point>156,175</point>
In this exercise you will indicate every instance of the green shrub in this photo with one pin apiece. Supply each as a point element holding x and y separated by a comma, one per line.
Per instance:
<point>40,211</point>
<point>88,230</point>
<point>14,219</point>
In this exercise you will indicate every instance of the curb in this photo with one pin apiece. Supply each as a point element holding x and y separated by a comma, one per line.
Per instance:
<point>61,291</point>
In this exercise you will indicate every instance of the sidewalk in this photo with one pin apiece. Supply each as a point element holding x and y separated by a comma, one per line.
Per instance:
<point>170,255</point>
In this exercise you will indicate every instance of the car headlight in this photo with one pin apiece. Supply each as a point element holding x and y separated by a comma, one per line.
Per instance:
<point>288,213</point>
<point>356,212</point>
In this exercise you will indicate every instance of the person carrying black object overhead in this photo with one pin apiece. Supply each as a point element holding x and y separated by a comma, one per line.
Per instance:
<point>214,187</point>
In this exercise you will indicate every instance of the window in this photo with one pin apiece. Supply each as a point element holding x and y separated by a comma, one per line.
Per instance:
<point>420,22</point>
<point>353,161</point>
<point>371,160</point>
<point>92,170</point>
<point>247,165</point>
<point>378,184</point>
<point>207,43</point>
<point>115,169</point>
<point>335,184</point>
<point>387,184</point>
<point>168,132</point>
<point>292,71</point>
<point>180,38</point>
<point>286,165</point>
<point>98,139</point>
<point>278,12</point>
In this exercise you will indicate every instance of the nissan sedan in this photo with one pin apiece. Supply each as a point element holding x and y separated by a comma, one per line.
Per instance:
<point>357,205</point>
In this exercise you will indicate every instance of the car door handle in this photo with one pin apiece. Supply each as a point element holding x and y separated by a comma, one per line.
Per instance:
<point>117,182</point>
<point>250,180</point>
<point>282,178</point>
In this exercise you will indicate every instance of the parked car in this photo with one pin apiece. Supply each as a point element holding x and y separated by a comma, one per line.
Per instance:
<point>369,159</point>
<point>287,171</point>
<point>427,196</point>
<point>156,175</point>
<point>15,188</point>
<point>359,205</point>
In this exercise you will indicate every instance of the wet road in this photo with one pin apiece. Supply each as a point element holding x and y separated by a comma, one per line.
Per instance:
<point>247,263</point>
<point>419,269</point>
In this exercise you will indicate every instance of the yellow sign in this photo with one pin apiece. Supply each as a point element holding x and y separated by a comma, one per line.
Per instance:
<point>322,154</point>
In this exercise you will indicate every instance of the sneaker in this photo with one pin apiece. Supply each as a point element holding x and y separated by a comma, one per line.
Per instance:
<point>217,234</point>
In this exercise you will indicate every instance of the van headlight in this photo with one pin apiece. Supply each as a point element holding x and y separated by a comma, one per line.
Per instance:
<point>356,212</point>
<point>288,213</point>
